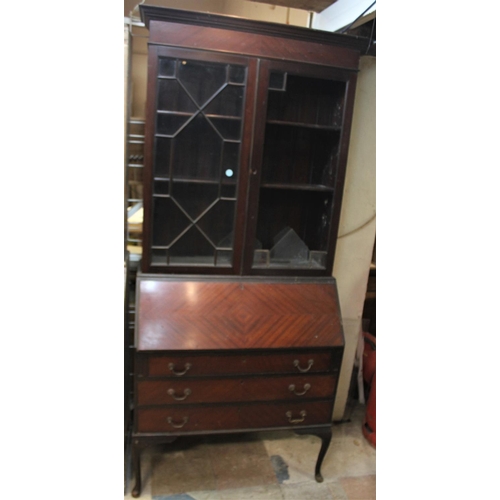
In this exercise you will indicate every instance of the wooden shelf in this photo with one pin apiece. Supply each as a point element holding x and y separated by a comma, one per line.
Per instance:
<point>175,113</point>
<point>185,113</point>
<point>304,125</point>
<point>298,187</point>
<point>223,117</point>
<point>195,181</point>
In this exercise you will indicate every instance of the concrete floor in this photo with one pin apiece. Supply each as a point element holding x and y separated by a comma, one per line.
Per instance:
<point>261,466</point>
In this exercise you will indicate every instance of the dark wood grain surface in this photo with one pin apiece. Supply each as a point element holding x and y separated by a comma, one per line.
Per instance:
<point>212,315</point>
<point>205,418</point>
<point>252,44</point>
<point>238,24</point>
<point>238,363</point>
<point>162,392</point>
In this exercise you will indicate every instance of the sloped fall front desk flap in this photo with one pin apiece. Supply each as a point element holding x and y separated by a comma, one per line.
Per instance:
<point>183,314</point>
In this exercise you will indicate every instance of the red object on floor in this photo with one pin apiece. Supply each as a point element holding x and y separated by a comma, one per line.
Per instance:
<point>369,430</point>
<point>368,357</point>
<point>369,377</point>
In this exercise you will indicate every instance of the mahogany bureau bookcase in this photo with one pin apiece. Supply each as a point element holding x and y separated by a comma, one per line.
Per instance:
<point>238,325</point>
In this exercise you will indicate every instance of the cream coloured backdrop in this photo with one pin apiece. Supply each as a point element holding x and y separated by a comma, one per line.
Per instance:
<point>357,223</point>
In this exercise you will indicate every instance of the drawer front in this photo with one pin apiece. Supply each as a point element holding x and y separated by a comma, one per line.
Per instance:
<point>202,418</point>
<point>240,364</point>
<point>226,390</point>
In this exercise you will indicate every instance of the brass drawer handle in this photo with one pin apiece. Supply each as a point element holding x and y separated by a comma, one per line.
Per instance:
<point>171,392</point>
<point>178,426</point>
<point>296,363</point>
<point>297,420</point>
<point>171,367</point>
<point>291,388</point>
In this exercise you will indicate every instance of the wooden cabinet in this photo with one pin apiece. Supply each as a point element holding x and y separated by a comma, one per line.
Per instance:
<point>247,131</point>
<point>247,134</point>
<point>235,355</point>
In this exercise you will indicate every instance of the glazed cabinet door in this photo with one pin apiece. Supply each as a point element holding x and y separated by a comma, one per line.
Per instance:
<point>302,129</point>
<point>196,160</point>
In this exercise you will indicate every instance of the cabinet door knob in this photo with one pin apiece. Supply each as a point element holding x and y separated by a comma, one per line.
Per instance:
<point>291,388</point>
<point>178,426</point>
<point>171,392</point>
<point>296,363</point>
<point>297,420</point>
<point>171,367</point>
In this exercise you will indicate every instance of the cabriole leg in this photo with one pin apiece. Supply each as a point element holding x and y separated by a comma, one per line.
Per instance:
<point>326,437</point>
<point>325,434</point>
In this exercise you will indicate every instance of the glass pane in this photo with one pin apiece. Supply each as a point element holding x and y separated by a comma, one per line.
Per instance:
<point>227,241</point>
<point>172,97</point>
<point>162,157</point>
<point>201,79</point>
<point>261,258</point>
<point>287,247</point>
<point>311,101</point>
<point>168,221</point>
<point>237,74</point>
<point>192,248</point>
<point>277,81</point>
<point>166,67</point>
<point>291,225</point>
<point>161,187</point>
<point>230,168</point>
<point>224,258</point>
<point>159,256</point>
<point>231,159</point>
<point>296,155</point>
<point>194,197</point>
<point>196,168</point>
<point>197,151</point>
<point>318,259</point>
<point>217,224</point>
<point>168,124</point>
<point>228,128</point>
<point>228,103</point>
<point>228,191</point>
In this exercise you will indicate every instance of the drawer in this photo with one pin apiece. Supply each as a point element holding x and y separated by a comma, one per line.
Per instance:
<point>192,365</point>
<point>217,418</point>
<point>222,390</point>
